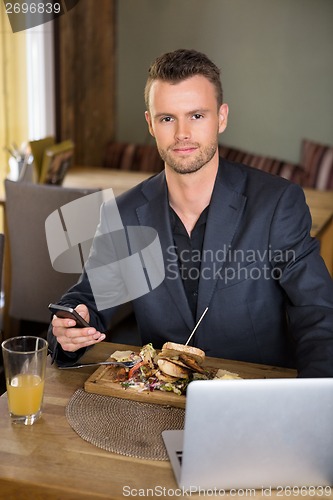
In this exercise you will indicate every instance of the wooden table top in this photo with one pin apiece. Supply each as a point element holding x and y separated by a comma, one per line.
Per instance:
<point>321,218</point>
<point>49,460</point>
<point>319,199</point>
<point>98,177</point>
<point>321,208</point>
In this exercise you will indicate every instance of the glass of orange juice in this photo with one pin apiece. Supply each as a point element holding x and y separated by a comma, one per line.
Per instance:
<point>25,362</point>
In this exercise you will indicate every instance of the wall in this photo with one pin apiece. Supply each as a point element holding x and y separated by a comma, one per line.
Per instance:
<point>275,56</point>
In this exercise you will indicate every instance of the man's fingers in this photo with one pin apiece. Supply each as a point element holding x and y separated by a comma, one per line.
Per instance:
<point>72,344</point>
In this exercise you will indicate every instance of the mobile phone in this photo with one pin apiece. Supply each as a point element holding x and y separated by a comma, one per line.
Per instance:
<point>68,312</point>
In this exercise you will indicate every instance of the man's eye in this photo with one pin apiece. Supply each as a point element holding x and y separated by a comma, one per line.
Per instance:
<point>166,119</point>
<point>197,116</point>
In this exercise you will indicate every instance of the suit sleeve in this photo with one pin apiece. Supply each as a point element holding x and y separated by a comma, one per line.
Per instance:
<point>102,251</point>
<point>308,286</point>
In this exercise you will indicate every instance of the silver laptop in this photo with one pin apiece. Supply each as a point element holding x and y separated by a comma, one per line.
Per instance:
<point>254,434</point>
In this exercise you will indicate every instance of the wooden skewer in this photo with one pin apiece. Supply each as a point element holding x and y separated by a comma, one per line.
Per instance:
<point>196,326</point>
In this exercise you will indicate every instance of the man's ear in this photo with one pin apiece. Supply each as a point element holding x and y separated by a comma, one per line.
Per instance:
<point>148,120</point>
<point>223,117</point>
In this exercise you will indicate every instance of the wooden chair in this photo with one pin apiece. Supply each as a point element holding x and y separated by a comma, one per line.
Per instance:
<point>32,281</point>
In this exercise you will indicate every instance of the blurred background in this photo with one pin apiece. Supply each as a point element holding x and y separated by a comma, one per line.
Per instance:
<point>81,77</point>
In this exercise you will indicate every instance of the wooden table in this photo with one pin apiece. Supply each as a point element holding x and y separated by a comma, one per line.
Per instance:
<point>321,208</point>
<point>50,461</point>
<point>97,177</point>
<point>322,229</point>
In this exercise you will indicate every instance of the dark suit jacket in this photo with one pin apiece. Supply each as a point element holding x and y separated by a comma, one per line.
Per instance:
<point>269,294</point>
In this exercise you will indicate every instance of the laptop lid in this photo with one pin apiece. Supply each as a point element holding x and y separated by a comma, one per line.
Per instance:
<point>255,434</point>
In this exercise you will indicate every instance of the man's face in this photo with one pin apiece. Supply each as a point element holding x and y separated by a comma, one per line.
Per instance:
<point>185,120</point>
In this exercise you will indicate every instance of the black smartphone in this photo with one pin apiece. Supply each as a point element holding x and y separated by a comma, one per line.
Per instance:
<point>68,312</point>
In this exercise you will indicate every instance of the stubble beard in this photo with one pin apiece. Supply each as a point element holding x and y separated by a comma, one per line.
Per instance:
<point>187,165</point>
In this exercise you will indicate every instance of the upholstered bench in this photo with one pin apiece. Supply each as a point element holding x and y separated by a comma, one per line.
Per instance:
<point>315,169</point>
<point>317,162</point>
<point>130,156</point>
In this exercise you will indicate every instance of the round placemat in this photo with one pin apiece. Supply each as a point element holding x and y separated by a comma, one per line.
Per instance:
<point>123,426</point>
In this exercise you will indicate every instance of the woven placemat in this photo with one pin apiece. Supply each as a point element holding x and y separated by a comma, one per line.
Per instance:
<point>123,426</point>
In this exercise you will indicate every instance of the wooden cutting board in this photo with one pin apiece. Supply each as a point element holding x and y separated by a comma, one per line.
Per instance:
<point>99,383</point>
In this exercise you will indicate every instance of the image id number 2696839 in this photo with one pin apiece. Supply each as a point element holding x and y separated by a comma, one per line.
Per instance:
<point>301,491</point>
<point>33,8</point>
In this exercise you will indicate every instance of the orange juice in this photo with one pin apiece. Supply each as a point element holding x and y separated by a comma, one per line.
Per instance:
<point>25,394</point>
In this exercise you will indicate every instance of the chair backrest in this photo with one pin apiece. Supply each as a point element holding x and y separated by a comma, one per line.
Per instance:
<point>33,281</point>
<point>37,149</point>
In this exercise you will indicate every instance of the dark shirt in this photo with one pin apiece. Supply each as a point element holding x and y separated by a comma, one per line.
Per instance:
<point>189,250</point>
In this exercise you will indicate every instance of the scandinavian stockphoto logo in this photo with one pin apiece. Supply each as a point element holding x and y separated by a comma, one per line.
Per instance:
<point>26,14</point>
<point>122,263</point>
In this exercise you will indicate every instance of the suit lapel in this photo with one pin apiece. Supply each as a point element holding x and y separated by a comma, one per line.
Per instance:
<point>226,207</point>
<point>155,213</point>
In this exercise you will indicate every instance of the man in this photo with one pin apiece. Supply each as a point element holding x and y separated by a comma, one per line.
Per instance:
<point>234,239</point>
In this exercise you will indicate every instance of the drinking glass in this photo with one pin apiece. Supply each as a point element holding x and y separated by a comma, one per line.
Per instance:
<point>25,362</point>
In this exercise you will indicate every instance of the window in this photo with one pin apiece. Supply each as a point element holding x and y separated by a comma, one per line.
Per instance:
<point>26,86</point>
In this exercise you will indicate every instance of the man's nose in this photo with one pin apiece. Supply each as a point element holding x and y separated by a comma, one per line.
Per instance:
<point>183,131</point>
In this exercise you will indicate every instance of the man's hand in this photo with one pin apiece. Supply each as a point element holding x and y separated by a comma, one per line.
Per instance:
<point>72,338</point>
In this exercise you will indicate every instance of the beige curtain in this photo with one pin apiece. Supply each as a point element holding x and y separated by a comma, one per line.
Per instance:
<point>13,90</point>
